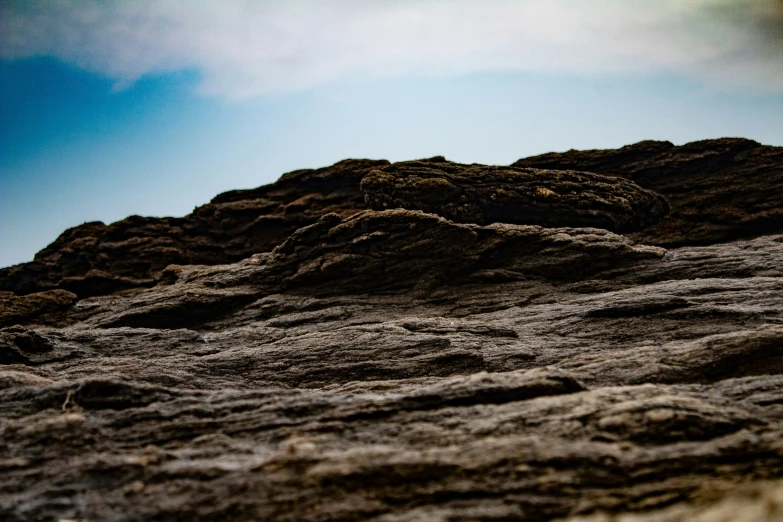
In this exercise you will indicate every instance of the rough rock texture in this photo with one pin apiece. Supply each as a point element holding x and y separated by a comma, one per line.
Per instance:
<point>761,502</point>
<point>485,194</point>
<point>719,190</point>
<point>397,366</point>
<point>38,307</point>
<point>97,259</point>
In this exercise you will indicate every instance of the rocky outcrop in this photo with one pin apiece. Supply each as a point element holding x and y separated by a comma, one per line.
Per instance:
<point>532,446</point>
<point>483,194</point>
<point>394,365</point>
<point>484,382</point>
<point>719,190</point>
<point>391,251</point>
<point>97,259</point>
<point>40,307</point>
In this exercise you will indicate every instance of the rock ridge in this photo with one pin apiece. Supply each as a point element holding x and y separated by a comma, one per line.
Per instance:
<point>720,190</point>
<point>483,194</point>
<point>401,364</point>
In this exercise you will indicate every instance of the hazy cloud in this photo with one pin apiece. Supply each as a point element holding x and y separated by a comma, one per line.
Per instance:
<point>248,48</point>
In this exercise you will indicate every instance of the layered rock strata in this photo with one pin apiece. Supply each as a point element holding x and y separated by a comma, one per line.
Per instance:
<point>719,190</point>
<point>97,259</point>
<point>483,194</point>
<point>397,365</point>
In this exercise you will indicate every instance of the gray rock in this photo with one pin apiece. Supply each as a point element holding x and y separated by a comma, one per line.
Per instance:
<point>396,365</point>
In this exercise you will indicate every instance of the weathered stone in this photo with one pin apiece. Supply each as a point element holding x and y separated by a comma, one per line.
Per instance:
<point>395,365</point>
<point>719,190</point>
<point>484,194</point>
<point>97,259</point>
<point>762,502</point>
<point>41,307</point>
<point>391,251</point>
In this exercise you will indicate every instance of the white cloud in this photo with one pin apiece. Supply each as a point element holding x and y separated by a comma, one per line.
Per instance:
<point>246,48</point>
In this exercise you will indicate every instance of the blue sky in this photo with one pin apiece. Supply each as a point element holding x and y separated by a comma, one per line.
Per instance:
<point>115,108</point>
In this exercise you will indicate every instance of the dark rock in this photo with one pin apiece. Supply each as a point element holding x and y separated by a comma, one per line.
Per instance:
<point>97,259</point>
<point>395,251</point>
<point>395,365</point>
<point>41,307</point>
<point>483,194</point>
<point>719,190</point>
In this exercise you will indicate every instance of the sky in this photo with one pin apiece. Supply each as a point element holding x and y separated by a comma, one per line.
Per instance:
<point>111,108</point>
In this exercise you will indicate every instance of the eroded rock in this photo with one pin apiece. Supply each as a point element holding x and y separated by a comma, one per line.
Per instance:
<point>484,194</point>
<point>719,190</point>
<point>41,307</point>
<point>97,259</point>
<point>762,502</point>
<point>391,251</point>
<point>395,365</point>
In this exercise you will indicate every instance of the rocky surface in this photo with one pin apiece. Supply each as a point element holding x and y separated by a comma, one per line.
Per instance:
<point>97,259</point>
<point>37,307</point>
<point>719,190</point>
<point>395,365</point>
<point>485,194</point>
<point>762,502</point>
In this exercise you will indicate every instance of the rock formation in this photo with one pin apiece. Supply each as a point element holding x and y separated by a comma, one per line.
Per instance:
<point>719,190</point>
<point>96,259</point>
<point>413,363</point>
<point>482,194</point>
